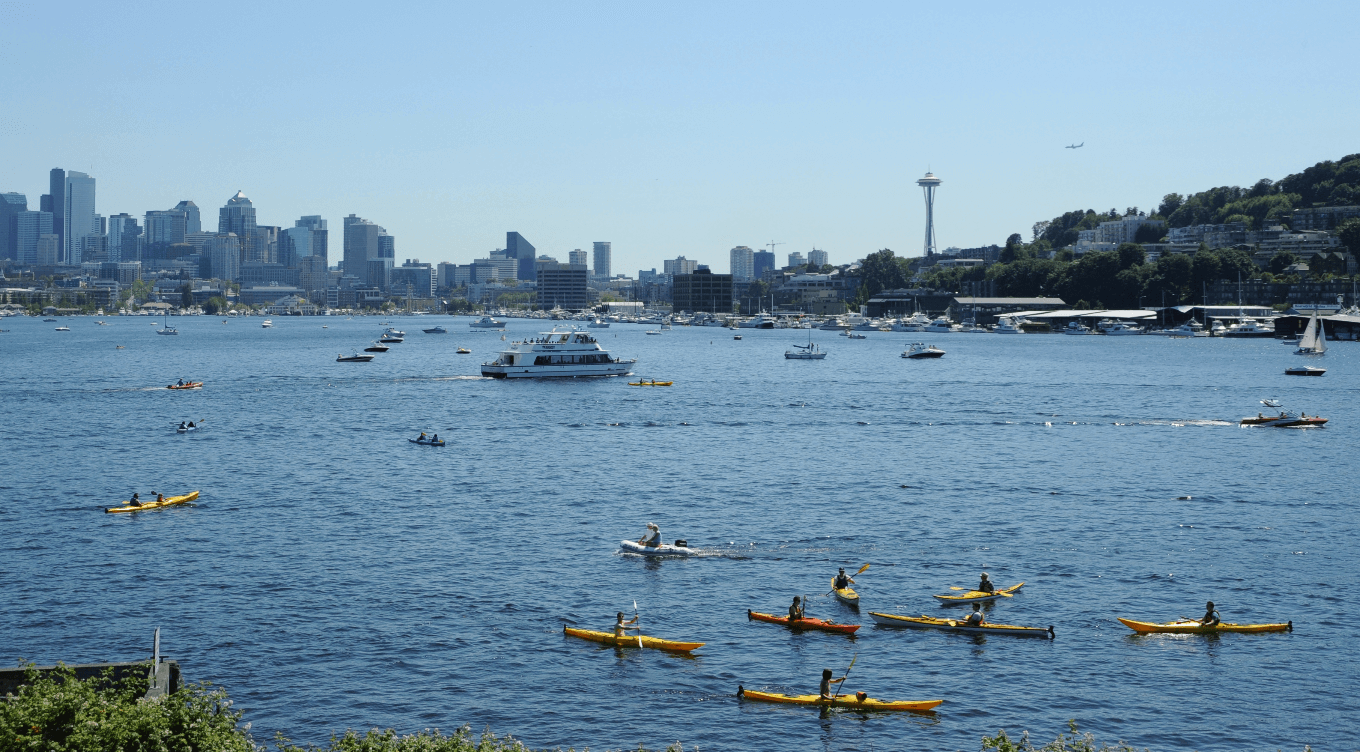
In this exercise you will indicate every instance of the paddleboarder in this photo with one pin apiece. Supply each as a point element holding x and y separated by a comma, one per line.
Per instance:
<point>827,681</point>
<point>986,585</point>
<point>1210,618</point>
<point>796,610</point>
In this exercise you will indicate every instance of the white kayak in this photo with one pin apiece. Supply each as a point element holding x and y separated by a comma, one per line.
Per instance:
<point>665,549</point>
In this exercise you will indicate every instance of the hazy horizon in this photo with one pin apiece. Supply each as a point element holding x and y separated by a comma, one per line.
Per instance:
<point>667,131</point>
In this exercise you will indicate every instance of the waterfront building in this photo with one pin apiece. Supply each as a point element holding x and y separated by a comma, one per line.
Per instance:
<point>238,218</point>
<point>702,290</point>
<point>680,265</point>
<point>562,286</point>
<point>743,264</point>
<point>762,264</point>
<point>817,258</point>
<point>78,218</point>
<point>361,244</point>
<point>516,247</point>
<point>11,206</point>
<point>29,227</point>
<point>603,259</point>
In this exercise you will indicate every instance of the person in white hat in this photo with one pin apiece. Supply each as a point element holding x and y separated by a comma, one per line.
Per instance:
<point>653,536</point>
<point>986,585</point>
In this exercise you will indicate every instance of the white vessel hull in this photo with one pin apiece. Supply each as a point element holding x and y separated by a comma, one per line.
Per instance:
<point>665,549</point>
<point>557,370</point>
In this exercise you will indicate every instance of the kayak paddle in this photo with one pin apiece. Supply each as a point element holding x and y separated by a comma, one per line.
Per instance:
<point>847,670</point>
<point>638,621</point>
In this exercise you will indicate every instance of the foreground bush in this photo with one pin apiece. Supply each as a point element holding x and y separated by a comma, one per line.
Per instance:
<point>56,712</point>
<point>426,741</point>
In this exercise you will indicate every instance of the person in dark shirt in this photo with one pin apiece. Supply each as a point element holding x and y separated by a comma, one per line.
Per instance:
<point>986,585</point>
<point>1210,616</point>
<point>843,580</point>
<point>796,610</point>
<point>135,501</point>
<point>827,681</point>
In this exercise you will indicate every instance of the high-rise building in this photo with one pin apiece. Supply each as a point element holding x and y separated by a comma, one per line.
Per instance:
<point>11,205</point>
<point>743,266</point>
<point>266,243</point>
<point>387,245</point>
<point>361,244</point>
<point>223,253</point>
<point>164,228</point>
<point>124,238</point>
<point>817,258</point>
<point>762,263</point>
<point>30,226</point>
<point>238,217</point>
<point>516,247</point>
<point>317,237</point>
<point>796,259</point>
<point>578,256</point>
<point>192,221</point>
<point>48,249</point>
<point>928,185</point>
<point>416,277</point>
<point>603,259</point>
<point>78,216</point>
<point>57,198</point>
<point>679,265</point>
<point>702,290</point>
<point>562,286</point>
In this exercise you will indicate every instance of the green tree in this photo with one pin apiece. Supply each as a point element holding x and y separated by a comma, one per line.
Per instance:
<point>1349,233</point>
<point>1280,261</point>
<point>1170,203</point>
<point>1014,249</point>
<point>1149,233</point>
<point>186,295</point>
<point>880,271</point>
<point>1131,254</point>
<point>215,304</point>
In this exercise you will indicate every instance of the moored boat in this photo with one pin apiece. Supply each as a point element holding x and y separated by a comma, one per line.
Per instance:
<point>169,501</point>
<point>1190,626</point>
<point>807,622</point>
<point>856,701</point>
<point>958,625</point>
<point>355,358</point>
<point>979,596</point>
<point>631,641</point>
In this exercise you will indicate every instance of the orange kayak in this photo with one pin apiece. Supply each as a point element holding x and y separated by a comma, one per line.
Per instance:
<point>806,622</point>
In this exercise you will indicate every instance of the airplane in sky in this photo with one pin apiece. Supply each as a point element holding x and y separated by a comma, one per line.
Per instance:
<point>1075,146</point>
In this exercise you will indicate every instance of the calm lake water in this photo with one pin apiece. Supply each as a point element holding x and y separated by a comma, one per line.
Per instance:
<point>333,575</point>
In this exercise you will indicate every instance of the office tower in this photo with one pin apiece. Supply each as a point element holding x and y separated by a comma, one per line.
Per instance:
<point>603,259</point>
<point>387,245</point>
<point>762,263</point>
<point>928,185</point>
<point>578,257</point>
<point>29,226</point>
<point>11,206</point>
<point>78,216</point>
<point>163,229</point>
<point>124,238</point>
<point>57,187</point>
<point>743,263</point>
<point>817,258</point>
<point>192,221</point>
<point>223,253</point>
<point>562,286</point>
<point>679,265</point>
<point>48,249</point>
<point>238,217</point>
<point>516,247</point>
<point>445,272</point>
<point>266,245</point>
<point>702,290</point>
<point>318,237</point>
<point>313,276</point>
<point>361,244</point>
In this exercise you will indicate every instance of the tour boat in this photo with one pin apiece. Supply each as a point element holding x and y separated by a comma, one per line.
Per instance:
<point>556,354</point>
<point>921,350</point>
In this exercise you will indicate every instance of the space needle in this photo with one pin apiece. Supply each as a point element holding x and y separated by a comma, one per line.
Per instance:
<point>928,184</point>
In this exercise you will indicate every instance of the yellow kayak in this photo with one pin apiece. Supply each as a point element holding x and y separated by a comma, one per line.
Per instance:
<point>649,382</point>
<point>170,501</point>
<point>844,595</point>
<point>1190,626</point>
<point>958,625</point>
<point>608,638</point>
<point>978,596</point>
<point>843,701</point>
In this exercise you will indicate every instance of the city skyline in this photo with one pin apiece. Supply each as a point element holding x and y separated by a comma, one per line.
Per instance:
<point>809,125</point>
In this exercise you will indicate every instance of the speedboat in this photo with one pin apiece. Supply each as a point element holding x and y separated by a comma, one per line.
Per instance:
<point>389,331</point>
<point>355,358</point>
<point>1304,371</point>
<point>486,322</point>
<point>681,548</point>
<point>1283,420</point>
<point>375,347</point>
<point>390,339</point>
<point>598,324</point>
<point>920,350</point>
<point>464,351</point>
<point>436,330</point>
<point>266,324</point>
<point>810,351</point>
<point>63,329</point>
<point>556,354</point>
<point>763,321</point>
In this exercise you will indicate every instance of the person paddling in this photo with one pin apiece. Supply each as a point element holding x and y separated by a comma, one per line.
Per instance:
<point>843,580</point>
<point>827,681</point>
<point>135,501</point>
<point>621,626</point>
<point>986,586</point>
<point>1210,618</point>
<point>182,426</point>
<point>977,618</point>
<point>191,424</point>
<point>160,498</point>
<point>796,610</point>
<point>652,538</point>
<point>435,440</point>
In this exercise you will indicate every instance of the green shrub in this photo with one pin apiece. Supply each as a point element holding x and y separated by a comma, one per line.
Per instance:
<point>430,740</point>
<point>1072,742</point>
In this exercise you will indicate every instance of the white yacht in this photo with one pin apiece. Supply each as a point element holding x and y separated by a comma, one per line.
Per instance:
<point>1007,325</point>
<point>1249,327</point>
<point>1217,329</point>
<point>486,322</point>
<point>920,350</point>
<point>266,324</point>
<point>942,325</point>
<point>556,353</point>
<point>1119,328</point>
<point>917,322</point>
<point>598,324</point>
<point>763,321</point>
<point>1076,327</point>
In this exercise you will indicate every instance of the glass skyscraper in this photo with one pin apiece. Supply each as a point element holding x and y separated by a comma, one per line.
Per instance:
<point>78,216</point>
<point>603,260</point>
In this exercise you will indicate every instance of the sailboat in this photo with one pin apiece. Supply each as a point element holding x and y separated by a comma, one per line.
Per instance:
<point>167,329</point>
<point>1314,340</point>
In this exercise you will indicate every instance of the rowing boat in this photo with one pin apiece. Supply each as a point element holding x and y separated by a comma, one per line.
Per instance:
<point>854,702</point>
<point>806,622</point>
<point>846,595</point>
<point>979,596</point>
<point>958,625</point>
<point>170,501</point>
<point>608,638</point>
<point>1190,626</point>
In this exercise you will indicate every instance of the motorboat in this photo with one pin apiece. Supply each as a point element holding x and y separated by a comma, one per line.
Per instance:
<point>681,548</point>
<point>917,322</point>
<point>556,354</point>
<point>1217,329</point>
<point>1314,339</point>
<point>918,350</point>
<point>1304,371</point>
<point>464,351</point>
<point>266,324</point>
<point>853,335</point>
<point>487,322</point>
<point>390,332</point>
<point>63,329</point>
<point>1284,420</point>
<point>1249,327</point>
<point>653,331</point>
<point>391,339</point>
<point>436,330</point>
<point>942,325</point>
<point>1076,327</point>
<point>376,347</point>
<point>763,321</point>
<point>1118,328</point>
<point>970,327</point>
<point>1007,325</point>
<point>598,324</point>
<point>355,358</point>
<point>49,321</point>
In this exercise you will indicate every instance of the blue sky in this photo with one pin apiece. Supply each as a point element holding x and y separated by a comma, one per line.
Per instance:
<point>669,129</point>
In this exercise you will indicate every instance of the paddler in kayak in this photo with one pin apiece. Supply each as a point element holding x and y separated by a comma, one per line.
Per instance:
<point>977,618</point>
<point>843,580</point>
<point>796,610</point>
<point>986,585</point>
<point>182,426</point>
<point>827,681</point>
<point>621,626</point>
<point>1210,618</point>
<point>652,538</point>
<point>135,501</point>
